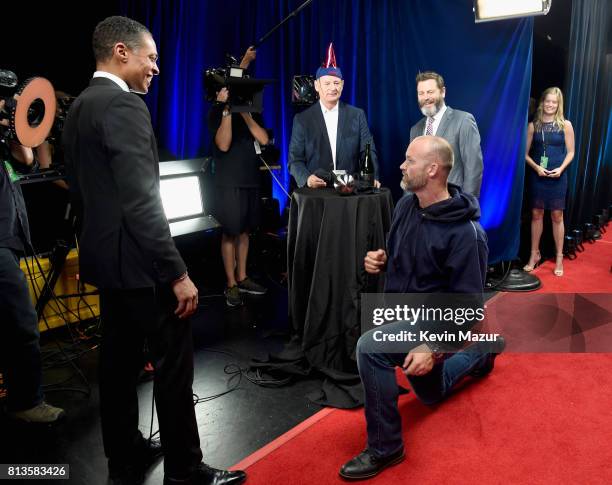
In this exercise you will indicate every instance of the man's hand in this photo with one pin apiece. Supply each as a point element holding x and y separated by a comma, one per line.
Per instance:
<point>249,56</point>
<point>418,362</point>
<point>375,261</point>
<point>376,184</point>
<point>223,95</point>
<point>187,296</point>
<point>315,182</point>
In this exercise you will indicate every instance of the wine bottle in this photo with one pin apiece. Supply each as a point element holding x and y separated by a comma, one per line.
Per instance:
<point>366,171</point>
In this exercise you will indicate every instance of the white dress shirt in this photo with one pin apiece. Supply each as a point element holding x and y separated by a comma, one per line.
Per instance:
<point>116,79</point>
<point>331,123</point>
<point>437,118</point>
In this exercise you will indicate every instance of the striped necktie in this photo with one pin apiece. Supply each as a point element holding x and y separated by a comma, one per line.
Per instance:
<point>429,127</point>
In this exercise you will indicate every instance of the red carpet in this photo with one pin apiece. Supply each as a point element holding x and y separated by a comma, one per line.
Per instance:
<point>589,272</point>
<point>537,419</point>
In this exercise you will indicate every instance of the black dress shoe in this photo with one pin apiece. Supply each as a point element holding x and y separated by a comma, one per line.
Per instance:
<point>150,451</point>
<point>206,475</point>
<point>366,465</point>
<point>497,348</point>
<point>132,469</point>
<point>126,475</point>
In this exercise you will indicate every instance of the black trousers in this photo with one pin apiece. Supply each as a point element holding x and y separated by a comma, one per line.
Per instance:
<point>19,337</point>
<point>129,318</point>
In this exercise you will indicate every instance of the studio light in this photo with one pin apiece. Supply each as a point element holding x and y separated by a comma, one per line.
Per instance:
<point>488,10</point>
<point>183,196</point>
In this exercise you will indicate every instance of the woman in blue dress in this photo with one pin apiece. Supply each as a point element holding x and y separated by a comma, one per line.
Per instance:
<point>550,149</point>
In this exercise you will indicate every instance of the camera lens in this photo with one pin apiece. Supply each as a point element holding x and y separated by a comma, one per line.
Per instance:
<point>36,112</point>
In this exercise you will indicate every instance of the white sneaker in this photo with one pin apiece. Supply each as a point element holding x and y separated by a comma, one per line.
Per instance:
<point>42,413</point>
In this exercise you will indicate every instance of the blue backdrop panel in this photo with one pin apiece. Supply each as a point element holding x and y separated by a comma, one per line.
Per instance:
<point>380,46</point>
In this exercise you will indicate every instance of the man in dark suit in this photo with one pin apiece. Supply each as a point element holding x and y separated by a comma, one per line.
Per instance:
<point>126,251</point>
<point>457,127</point>
<point>330,135</point>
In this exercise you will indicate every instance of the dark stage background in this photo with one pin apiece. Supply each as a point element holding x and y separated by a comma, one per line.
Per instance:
<point>380,46</point>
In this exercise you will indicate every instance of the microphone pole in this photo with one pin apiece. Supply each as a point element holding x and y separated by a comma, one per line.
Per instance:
<point>282,22</point>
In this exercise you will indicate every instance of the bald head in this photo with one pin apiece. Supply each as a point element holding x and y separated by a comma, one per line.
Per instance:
<point>429,160</point>
<point>436,150</point>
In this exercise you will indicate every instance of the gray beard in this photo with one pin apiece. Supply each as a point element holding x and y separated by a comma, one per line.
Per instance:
<point>436,108</point>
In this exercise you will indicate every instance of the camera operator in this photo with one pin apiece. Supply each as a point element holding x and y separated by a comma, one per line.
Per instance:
<point>237,138</point>
<point>19,336</point>
<point>48,203</point>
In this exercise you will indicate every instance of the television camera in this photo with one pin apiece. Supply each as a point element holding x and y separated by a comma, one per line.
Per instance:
<point>246,93</point>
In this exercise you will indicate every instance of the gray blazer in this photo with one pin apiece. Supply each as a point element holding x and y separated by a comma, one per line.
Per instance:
<point>460,130</point>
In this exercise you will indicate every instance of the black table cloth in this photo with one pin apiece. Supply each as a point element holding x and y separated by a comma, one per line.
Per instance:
<point>329,235</point>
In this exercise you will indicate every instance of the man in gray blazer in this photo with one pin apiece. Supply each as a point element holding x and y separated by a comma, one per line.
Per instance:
<point>457,127</point>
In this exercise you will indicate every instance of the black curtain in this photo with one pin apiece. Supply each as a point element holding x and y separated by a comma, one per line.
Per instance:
<point>589,101</point>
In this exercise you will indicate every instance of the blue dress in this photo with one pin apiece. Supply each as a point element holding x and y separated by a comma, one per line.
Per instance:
<point>548,193</point>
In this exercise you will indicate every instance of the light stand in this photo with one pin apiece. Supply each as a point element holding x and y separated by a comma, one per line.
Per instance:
<point>512,279</point>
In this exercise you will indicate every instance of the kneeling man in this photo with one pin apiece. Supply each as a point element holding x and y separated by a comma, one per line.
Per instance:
<point>435,245</point>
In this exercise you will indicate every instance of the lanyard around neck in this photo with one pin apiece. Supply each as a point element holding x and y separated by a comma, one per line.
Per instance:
<point>543,139</point>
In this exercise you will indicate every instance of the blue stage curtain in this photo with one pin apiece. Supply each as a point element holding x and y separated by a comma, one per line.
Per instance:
<point>380,47</point>
<point>589,102</point>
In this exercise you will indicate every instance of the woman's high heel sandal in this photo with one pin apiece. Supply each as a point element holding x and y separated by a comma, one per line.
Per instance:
<point>533,262</point>
<point>559,266</point>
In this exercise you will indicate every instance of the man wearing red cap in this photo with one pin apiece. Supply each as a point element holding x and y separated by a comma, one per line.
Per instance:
<point>330,135</point>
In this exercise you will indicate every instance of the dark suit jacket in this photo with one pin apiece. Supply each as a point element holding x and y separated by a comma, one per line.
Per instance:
<point>310,149</point>
<point>460,130</point>
<point>113,167</point>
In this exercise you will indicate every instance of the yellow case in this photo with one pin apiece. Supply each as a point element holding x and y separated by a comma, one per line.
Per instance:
<point>57,314</point>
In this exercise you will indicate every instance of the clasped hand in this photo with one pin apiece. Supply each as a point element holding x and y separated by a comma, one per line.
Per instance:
<point>375,261</point>
<point>418,362</point>
<point>555,173</point>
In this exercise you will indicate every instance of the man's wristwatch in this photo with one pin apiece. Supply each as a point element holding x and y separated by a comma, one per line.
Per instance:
<point>437,352</point>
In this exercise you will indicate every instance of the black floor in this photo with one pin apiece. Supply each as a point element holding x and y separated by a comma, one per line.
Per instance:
<point>232,426</point>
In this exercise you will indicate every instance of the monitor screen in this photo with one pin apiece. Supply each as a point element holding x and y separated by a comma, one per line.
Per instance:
<point>181,196</point>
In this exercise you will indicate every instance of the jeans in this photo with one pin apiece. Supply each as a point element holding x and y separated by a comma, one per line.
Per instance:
<point>19,337</point>
<point>377,371</point>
